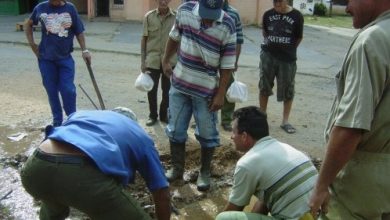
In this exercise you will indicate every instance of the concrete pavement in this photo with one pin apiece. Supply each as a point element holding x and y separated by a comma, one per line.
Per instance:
<point>320,52</point>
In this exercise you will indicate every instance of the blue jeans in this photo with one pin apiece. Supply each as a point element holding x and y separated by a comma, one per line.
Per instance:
<point>58,78</point>
<point>181,108</point>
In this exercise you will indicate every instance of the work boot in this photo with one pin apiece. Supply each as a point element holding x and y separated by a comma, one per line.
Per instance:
<point>178,151</point>
<point>203,182</point>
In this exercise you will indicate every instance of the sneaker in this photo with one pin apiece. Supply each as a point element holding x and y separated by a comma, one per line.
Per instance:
<point>151,122</point>
<point>227,127</point>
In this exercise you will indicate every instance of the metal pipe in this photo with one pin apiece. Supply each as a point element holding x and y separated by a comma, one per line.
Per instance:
<point>86,94</point>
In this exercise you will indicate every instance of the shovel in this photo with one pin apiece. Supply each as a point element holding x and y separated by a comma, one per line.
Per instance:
<point>102,107</point>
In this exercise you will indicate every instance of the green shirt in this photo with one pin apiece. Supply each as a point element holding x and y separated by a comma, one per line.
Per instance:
<point>156,29</point>
<point>363,87</point>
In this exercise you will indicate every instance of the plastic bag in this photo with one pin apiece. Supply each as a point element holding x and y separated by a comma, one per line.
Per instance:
<point>144,82</point>
<point>237,92</point>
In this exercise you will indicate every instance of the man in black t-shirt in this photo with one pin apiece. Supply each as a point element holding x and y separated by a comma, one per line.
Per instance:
<point>282,31</point>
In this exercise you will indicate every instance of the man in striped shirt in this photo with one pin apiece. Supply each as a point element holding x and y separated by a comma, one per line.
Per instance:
<point>280,176</point>
<point>204,37</point>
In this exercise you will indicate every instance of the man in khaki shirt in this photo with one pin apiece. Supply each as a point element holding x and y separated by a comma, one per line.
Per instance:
<point>355,172</point>
<point>157,25</point>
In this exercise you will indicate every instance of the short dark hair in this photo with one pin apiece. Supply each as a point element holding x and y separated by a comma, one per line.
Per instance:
<point>253,121</point>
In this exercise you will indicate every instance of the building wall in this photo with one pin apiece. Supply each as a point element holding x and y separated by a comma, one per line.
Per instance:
<point>81,5</point>
<point>251,11</point>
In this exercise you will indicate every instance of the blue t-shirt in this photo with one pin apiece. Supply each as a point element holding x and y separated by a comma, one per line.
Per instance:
<point>59,26</point>
<point>117,144</point>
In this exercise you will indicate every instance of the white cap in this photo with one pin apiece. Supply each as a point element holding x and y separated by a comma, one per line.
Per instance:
<point>126,112</point>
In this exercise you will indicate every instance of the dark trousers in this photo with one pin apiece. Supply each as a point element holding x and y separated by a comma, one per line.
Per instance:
<point>227,108</point>
<point>152,94</point>
<point>63,181</point>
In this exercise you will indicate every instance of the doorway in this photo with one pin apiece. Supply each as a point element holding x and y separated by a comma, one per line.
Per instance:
<point>103,8</point>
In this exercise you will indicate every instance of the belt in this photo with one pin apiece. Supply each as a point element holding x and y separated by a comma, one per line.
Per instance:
<point>62,158</point>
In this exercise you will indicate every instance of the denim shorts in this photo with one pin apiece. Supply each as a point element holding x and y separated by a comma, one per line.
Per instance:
<point>181,109</point>
<point>270,67</point>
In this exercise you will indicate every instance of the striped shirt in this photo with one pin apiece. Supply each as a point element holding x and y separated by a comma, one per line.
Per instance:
<point>233,13</point>
<point>202,52</point>
<point>277,174</point>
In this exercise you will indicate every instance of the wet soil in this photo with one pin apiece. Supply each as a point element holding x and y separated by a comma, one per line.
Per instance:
<point>24,110</point>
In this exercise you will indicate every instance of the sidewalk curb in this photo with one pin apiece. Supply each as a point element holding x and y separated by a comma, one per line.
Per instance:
<point>100,50</point>
<point>92,49</point>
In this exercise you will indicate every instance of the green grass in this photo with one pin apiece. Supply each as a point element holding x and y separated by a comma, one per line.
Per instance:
<point>344,21</point>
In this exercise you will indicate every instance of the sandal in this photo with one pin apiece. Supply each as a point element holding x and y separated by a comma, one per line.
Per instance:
<point>288,128</point>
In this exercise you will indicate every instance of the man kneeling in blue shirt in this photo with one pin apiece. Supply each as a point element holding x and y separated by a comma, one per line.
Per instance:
<point>87,162</point>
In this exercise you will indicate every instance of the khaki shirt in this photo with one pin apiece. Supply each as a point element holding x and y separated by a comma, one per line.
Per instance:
<point>363,87</point>
<point>156,29</point>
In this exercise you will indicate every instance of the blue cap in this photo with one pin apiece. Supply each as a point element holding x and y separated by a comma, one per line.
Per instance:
<point>210,9</point>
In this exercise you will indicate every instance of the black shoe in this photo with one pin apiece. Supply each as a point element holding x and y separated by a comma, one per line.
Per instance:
<point>164,120</point>
<point>227,127</point>
<point>151,122</point>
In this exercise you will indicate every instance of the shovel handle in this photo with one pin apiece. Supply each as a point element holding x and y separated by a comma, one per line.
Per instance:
<point>96,86</point>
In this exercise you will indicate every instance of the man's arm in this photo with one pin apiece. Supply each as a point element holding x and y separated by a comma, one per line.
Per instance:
<point>300,31</point>
<point>170,50</point>
<point>342,144</point>
<point>28,30</point>
<point>143,53</point>
<point>299,40</point>
<point>219,97</point>
<point>260,208</point>
<point>232,207</point>
<point>238,52</point>
<point>85,53</point>
<point>162,203</point>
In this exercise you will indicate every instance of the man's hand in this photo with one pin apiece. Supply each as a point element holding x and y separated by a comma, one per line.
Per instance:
<point>143,67</point>
<point>87,57</point>
<point>319,201</point>
<point>170,49</point>
<point>219,97</point>
<point>217,102</point>
<point>340,148</point>
<point>167,68</point>
<point>232,207</point>
<point>162,202</point>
